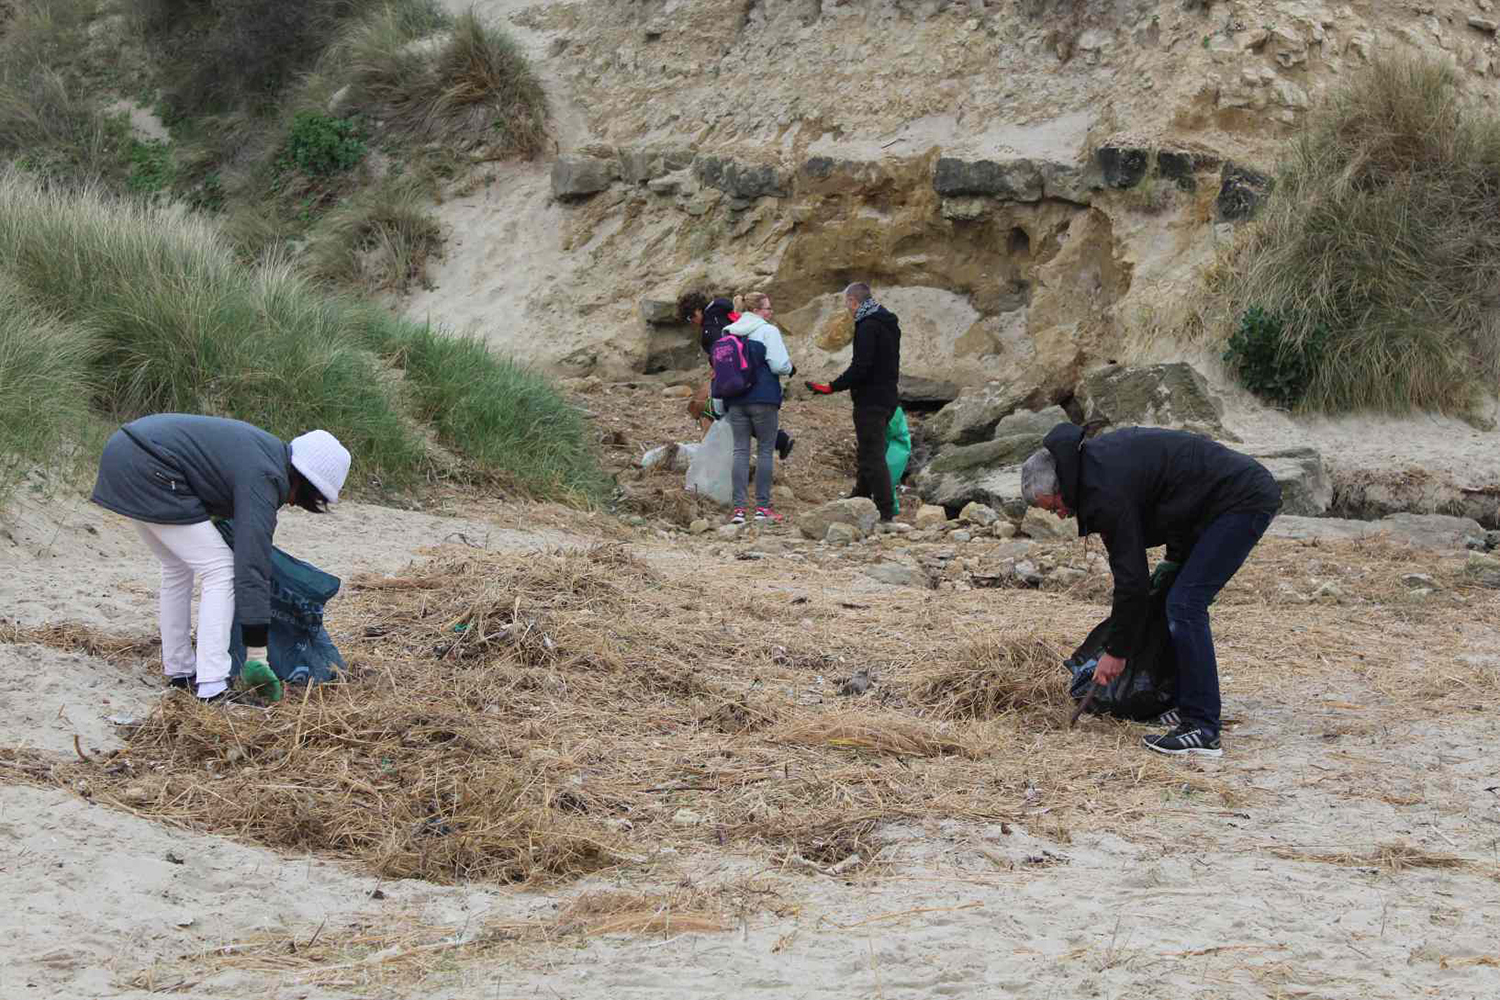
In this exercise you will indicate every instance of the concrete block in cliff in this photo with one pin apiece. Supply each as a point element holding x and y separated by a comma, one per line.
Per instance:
<point>746,181</point>
<point>1124,167</point>
<point>1168,395</point>
<point>1241,192</point>
<point>1009,180</point>
<point>581,176</point>
<point>1306,490</point>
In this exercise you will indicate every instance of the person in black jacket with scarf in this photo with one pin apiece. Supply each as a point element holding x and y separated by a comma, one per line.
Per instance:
<point>871,380</point>
<point>1140,487</point>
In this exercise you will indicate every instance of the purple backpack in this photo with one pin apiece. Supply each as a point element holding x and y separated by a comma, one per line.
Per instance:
<point>734,374</point>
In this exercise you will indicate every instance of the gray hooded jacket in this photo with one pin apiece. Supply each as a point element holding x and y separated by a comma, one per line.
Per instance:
<point>173,468</point>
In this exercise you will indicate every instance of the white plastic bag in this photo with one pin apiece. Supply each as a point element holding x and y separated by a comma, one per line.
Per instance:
<point>711,470</point>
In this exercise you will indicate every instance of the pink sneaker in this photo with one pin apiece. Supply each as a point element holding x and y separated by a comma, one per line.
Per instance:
<point>767,514</point>
<point>738,517</point>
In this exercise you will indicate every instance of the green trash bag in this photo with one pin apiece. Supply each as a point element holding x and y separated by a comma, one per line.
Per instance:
<point>897,452</point>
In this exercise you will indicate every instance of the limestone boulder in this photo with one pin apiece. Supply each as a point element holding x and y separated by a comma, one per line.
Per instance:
<point>859,513</point>
<point>1043,525</point>
<point>999,488</point>
<point>978,513</point>
<point>1165,395</point>
<point>1306,488</point>
<point>743,181</point>
<point>897,574</point>
<point>916,392</point>
<point>931,516</point>
<point>973,416</point>
<point>1432,531</point>
<point>576,177</point>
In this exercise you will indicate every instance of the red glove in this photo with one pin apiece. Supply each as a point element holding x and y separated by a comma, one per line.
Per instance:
<point>822,388</point>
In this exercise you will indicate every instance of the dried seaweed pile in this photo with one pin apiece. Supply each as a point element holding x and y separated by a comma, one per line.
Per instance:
<point>529,718</point>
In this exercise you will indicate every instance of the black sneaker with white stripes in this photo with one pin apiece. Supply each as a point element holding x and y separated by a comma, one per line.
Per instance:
<point>1170,719</point>
<point>1185,740</point>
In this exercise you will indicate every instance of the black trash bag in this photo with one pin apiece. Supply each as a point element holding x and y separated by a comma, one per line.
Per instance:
<point>1147,686</point>
<point>297,644</point>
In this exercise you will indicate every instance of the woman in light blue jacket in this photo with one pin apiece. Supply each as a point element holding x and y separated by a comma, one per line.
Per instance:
<point>758,412</point>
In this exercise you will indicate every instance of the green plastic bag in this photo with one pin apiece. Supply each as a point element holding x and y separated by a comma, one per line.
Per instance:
<point>897,452</point>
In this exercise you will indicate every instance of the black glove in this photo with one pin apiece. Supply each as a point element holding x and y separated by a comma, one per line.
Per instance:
<point>1163,576</point>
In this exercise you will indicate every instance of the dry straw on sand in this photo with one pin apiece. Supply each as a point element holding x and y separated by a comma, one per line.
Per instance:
<point>537,718</point>
<point>514,719</point>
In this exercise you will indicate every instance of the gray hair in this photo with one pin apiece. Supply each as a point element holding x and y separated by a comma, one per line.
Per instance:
<point>1039,477</point>
<point>859,292</point>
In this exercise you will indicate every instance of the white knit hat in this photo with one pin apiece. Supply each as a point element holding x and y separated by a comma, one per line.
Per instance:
<point>322,461</point>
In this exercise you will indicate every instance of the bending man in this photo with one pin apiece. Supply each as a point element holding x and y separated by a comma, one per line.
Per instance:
<point>1140,487</point>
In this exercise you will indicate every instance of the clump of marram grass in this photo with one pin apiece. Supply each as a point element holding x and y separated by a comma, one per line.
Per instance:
<point>45,384</point>
<point>381,239</point>
<point>472,83</point>
<point>1376,264</point>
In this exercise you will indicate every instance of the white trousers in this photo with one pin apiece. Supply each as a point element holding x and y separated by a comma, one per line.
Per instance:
<point>189,551</point>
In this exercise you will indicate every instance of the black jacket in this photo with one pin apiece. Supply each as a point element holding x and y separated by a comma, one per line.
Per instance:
<point>1140,487</point>
<point>876,366</point>
<point>715,319</point>
<point>174,468</point>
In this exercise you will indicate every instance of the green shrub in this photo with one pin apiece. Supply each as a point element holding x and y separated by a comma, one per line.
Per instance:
<point>1268,363</point>
<point>1379,253</point>
<point>151,168</point>
<point>320,146</point>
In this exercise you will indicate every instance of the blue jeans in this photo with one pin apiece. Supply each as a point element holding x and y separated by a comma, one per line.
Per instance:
<point>760,421</point>
<point>1218,555</point>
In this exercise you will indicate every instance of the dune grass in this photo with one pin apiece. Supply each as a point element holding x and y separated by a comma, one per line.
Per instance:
<point>381,239</point>
<point>165,318</point>
<point>503,416</point>
<point>1377,262</point>
<point>471,84</point>
<point>48,121</point>
<point>45,384</point>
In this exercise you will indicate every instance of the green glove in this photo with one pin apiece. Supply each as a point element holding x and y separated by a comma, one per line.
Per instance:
<point>258,676</point>
<point>1163,575</point>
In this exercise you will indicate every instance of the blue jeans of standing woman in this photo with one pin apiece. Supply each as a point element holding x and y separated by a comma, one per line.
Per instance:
<point>1220,552</point>
<point>758,420</point>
